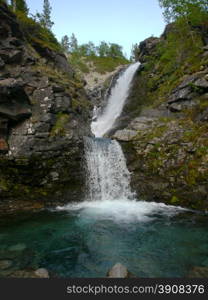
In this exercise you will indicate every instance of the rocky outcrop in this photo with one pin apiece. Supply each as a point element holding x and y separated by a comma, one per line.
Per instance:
<point>163,128</point>
<point>44,113</point>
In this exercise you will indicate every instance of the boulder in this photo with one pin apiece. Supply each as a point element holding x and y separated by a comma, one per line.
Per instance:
<point>201,83</point>
<point>119,271</point>
<point>42,273</point>
<point>180,94</point>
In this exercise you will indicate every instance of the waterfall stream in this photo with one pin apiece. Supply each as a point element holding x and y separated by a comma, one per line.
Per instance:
<point>108,177</point>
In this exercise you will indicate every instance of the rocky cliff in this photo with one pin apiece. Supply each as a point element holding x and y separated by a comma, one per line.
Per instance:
<point>164,129</point>
<point>44,113</point>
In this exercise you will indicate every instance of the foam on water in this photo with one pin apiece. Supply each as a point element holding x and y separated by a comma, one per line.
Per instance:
<point>121,210</point>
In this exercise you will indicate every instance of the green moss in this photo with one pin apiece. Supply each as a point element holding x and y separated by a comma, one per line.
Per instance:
<point>174,200</point>
<point>59,127</point>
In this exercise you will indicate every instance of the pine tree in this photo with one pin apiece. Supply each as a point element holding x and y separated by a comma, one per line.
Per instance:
<point>65,43</point>
<point>21,5</point>
<point>73,43</point>
<point>13,5</point>
<point>46,15</point>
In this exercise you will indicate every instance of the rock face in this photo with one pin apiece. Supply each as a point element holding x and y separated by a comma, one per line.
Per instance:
<point>44,113</point>
<point>163,128</point>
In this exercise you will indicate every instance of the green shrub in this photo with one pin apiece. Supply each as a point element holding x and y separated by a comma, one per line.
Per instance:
<point>34,32</point>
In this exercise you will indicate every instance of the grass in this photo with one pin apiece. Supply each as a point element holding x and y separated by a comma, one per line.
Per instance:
<point>102,65</point>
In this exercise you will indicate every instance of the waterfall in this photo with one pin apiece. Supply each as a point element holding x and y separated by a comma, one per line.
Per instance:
<point>108,178</point>
<point>116,101</point>
<point>109,196</point>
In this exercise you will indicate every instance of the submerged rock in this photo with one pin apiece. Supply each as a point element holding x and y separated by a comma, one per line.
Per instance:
<point>198,272</point>
<point>17,247</point>
<point>5,264</point>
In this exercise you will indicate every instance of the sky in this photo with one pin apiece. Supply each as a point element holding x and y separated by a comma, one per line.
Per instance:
<point>124,22</point>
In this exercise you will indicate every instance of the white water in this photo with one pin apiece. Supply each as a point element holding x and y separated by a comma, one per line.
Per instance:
<point>108,177</point>
<point>109,195</point>
<point>115,103</point>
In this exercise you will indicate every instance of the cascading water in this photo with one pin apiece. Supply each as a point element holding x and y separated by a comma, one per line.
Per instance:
<point>108,177</point>
<point>116,101</point>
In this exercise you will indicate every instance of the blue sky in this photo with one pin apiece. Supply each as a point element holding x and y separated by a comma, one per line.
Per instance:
<point>124,22</point>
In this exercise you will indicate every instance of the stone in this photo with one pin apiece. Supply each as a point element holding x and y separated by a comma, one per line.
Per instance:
<point>42,273</point>
<point>198,272</point>
<point>125,135</point>
<point>201,83</point>
<point>175,107</point>
<point>54,175</point>
<point>62,104</point>
<point>119,271</point>
<point>5,264</point>
<point>141,123</point>
<point>180,94</point>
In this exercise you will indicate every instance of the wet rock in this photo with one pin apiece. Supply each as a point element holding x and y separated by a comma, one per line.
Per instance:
<point>119,271</point>
<point>42,273</point>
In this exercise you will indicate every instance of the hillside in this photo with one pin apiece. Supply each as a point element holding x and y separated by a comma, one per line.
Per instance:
<point>163,128</point>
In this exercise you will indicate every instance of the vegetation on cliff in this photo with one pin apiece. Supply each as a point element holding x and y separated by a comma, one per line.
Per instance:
<point>168,108</point>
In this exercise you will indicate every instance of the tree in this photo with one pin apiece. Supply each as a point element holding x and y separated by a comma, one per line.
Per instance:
<point>183,8</point>
<point>21,5</point>
<point>91,49</point>
<point>45,17</point>
<point>13,5</point>
<point>73,44</point>
<point>65,43</point>
<point>103,49</point>
<point>115,51</point>
<point>134,52</point>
